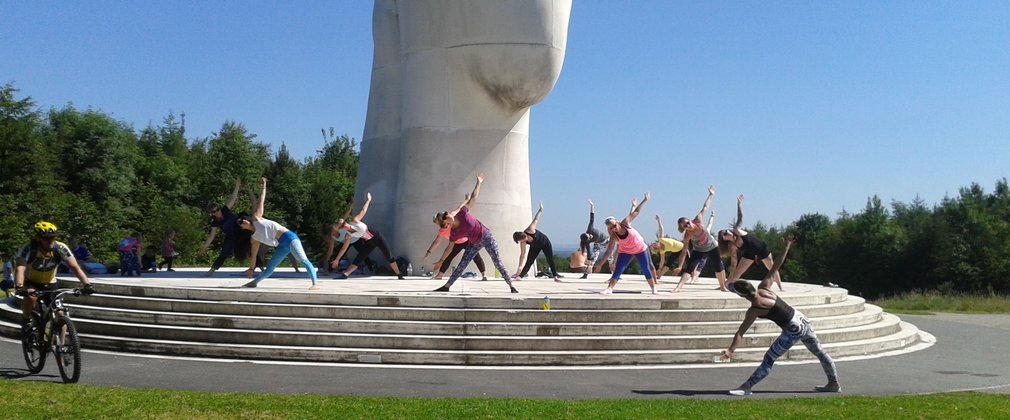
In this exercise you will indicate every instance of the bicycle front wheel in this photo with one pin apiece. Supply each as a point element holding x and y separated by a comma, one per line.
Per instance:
<point>67,350</point>
<point>33,346</point>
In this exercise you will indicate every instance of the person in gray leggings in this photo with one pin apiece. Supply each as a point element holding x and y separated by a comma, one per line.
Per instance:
<point>795,327</point>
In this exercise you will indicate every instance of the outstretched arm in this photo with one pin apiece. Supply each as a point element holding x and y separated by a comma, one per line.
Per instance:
<point>258,209</point>
<point>343,249</point>
<point>432,246</point>
<point>636,209</point>
<point>466,199</point>
<point>234,194</point>
<point>766,283</point>
<point>708,202</point>
<point>659,221</point>
<point>711,219</point>
<point>364,208</point>
<point>476,191</point>
<point>738,337</point>
<point>592,216</point>
<point>606,254</point>
<point>738,226</point>
<point>347,213</point>
<point>536,218</point>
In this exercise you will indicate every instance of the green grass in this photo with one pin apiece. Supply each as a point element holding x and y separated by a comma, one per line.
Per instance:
<point>929,302</point>
<point>35,400</point>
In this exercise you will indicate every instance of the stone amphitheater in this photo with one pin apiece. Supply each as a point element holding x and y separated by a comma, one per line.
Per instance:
<point>385,321</point>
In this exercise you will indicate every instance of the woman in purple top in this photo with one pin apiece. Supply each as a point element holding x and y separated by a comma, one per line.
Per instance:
<point>464,225</point>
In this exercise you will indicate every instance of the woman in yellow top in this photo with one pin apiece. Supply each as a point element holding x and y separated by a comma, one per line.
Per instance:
<point>668,250</point>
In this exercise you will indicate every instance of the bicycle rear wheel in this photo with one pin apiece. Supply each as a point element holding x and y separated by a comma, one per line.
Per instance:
<point>67,350</point>
<point>33,347</point>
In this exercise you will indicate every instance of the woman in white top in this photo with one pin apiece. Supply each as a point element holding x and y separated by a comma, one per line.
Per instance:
<point>355,229</point>
<point>269,232</point>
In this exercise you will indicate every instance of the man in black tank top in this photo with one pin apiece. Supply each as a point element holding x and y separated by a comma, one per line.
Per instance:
<point>795,327</point>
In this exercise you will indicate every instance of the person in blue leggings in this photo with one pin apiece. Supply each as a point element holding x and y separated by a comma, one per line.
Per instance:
<point>271,233</point>
<point>795,327</point>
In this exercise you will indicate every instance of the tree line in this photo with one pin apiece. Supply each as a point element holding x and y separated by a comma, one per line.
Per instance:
<point>100,179</point>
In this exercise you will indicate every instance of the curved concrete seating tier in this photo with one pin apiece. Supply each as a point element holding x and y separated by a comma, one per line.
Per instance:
<point>382,320</point>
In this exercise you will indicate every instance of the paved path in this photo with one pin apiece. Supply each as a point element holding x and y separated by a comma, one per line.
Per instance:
<point>969,355</point>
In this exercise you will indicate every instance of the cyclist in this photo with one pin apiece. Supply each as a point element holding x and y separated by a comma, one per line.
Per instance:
<point>36,268</point>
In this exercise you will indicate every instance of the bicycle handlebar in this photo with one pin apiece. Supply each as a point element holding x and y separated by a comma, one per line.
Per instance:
<point>57,292</point>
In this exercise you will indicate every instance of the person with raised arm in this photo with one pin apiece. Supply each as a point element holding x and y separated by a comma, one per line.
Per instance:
<point>271,233</point>
<point>628,244</point>
<point>667,248</point>
<point>462,224</point>
<point>370,239</point>
<point>795,327</point>
<point>453,248</point>
<point>751,249</point>
<point>703,246</point>
<point>592,242</point>
<point>537,242</point>
<point>223,220</point>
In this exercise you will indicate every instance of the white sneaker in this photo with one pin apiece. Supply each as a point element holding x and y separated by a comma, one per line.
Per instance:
<point>740,392</point>
<point>607,291</point>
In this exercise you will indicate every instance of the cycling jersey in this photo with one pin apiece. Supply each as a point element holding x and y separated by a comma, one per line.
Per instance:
<point>41,265</point>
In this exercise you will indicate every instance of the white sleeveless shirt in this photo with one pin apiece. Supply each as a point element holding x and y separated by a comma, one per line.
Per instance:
<point>266,231</point>
<point>360,230</point>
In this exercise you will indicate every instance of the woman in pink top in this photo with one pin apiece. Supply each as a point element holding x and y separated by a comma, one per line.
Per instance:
<point>462,225</point>
<point>451,250</point>
<point>629,244</point>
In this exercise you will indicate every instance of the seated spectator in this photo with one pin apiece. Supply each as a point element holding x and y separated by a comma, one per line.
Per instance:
<point>149,261</point>
<point>7,284</point>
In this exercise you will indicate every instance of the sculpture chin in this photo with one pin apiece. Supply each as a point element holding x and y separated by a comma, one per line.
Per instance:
<point>514,76</point>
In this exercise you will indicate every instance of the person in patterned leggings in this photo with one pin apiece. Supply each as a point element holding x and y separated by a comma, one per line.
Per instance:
<point>795,327</point>
<point>461,225</point>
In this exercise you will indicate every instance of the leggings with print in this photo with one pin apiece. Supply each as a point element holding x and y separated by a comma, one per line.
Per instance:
<point>289,243</point>
<point>799,329</point>
<point>456,248</point>
<point>487,241</point>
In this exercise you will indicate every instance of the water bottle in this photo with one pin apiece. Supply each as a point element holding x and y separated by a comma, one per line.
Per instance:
<point>410,269</point>
<point>48,330</point>
<point>546,305</point>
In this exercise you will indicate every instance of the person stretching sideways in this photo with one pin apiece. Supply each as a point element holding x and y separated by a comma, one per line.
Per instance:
<point>537,241</point>
<point>629,245</point>
<point>462,224</point>
<point>703,246</point>
<point>355,229</point>
<point>271,233</point>
<point>751,249</point>
<point>451,250</point>
<point>795,327</point>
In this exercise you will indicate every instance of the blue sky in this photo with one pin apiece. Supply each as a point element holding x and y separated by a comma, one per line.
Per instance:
<point>804,107</point>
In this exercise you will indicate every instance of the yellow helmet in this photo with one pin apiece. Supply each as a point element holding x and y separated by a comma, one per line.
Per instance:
<point>45,229</point>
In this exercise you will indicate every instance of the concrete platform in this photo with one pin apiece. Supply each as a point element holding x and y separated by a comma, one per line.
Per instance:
<point>383,320</point>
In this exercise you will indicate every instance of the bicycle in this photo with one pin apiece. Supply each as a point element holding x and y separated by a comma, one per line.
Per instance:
<point>51,330</point>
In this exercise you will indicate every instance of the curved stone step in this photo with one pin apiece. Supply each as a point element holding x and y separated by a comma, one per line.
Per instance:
<point>905,336</point>
<point>869,314</point>
<point>523,314</point>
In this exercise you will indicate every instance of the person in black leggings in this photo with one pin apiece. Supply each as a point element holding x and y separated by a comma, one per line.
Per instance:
<point>537,242</point>
<point>751,249</point>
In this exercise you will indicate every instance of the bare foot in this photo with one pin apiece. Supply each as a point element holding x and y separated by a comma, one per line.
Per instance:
<point>314,287</point>
<point>208,274</point>
<point>557,280</point>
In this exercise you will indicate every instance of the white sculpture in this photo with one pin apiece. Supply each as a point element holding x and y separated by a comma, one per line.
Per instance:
<point>452,85</point>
